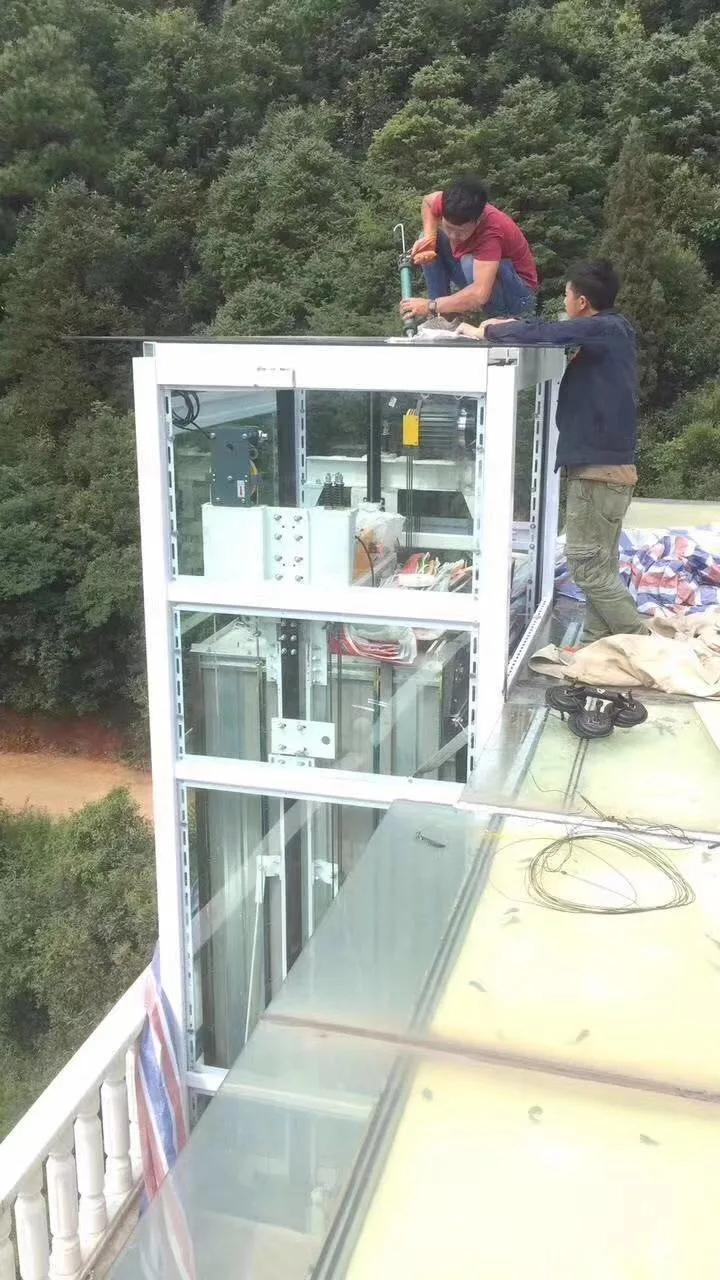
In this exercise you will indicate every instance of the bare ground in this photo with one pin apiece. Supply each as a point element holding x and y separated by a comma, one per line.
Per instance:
<point>60,765</point>
<point>63,783</point>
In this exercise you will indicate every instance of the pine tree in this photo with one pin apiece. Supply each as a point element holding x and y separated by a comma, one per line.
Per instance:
<point>632,242</point>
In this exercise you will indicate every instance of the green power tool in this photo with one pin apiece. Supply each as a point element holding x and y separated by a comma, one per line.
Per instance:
<point>405,265</point>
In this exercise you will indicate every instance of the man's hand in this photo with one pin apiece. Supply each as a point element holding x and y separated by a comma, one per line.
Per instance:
<point>415,307</point>
<point>482,331</point>
<point>471,331</point>
<point>424,250</point>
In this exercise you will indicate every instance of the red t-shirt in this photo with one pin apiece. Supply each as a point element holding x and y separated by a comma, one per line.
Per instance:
<point>495,237</point>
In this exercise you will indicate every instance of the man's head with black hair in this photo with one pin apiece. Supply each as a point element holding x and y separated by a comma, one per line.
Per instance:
<point>591,287</point>
<point>463,205</point>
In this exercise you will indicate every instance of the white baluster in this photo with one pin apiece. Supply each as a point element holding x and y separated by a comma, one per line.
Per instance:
<point>90,1163</point>
<point>62,1194</point>
<point>116,1137</point>
<point>135,1151</point>
<point>7,1254</point>
<point>31,1228</point>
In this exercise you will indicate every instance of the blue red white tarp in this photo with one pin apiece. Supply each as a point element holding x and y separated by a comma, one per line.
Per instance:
<point>667,571</point>
<point>163,1126</point>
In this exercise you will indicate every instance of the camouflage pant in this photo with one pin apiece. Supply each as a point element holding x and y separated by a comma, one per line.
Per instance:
<point>595,513</point>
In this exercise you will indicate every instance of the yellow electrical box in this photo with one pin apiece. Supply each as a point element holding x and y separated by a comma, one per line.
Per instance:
<point>411,429</point>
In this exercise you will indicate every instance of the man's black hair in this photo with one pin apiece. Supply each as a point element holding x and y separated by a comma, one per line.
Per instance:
<point>464,201</point>
<point>596,281</point>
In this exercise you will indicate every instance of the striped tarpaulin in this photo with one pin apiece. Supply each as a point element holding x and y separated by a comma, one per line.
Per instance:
<point>163,1129</point>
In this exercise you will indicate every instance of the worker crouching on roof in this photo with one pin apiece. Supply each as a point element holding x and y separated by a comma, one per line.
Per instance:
<point>597,434</point>
<point>474,258</point>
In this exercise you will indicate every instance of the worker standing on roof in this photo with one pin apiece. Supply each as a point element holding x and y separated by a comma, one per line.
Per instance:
<point>597,422</point>
<point>474,257</point>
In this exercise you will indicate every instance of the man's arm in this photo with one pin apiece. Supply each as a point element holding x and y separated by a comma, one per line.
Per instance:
<point>587,331</point>
<point>431,206</point>
<point>423,249</point>
<point>474,296</point>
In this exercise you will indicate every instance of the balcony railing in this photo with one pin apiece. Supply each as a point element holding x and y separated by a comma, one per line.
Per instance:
<point>70,1169</point>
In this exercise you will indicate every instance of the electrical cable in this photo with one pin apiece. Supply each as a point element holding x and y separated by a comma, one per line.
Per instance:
<point>540,867</point>
<point>366,549</point>
<point>191,401</point>
<point>187,421</point>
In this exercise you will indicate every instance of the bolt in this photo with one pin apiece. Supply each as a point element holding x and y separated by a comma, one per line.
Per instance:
<point>281,748</point>
<point>299,578</point>
<point>276,518</point>
<point>293,652</point>
<point>302,728</point>
<point>297,519</point>
<point>298,537</point>
<point>281,725</point>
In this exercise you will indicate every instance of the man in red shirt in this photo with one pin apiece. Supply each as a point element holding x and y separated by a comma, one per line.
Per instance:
<point>474,258</point>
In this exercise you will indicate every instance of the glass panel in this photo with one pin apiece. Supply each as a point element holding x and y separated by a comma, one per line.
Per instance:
<point>663,772</point>
<point>525,533</point>
<point>209,428</point>
<point>327,487</point>
<point>255,1191</point>
<point>516,1174</point>
<point>563,1033</point>
<point>378,699</point>
<point>379,958</point>
<point>337,1157</point>
<point>591,950</point>
<point>581,948</point>
<point>264,871</point>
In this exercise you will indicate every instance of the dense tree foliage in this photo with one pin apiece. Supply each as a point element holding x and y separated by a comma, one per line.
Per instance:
<point>77,925</point>
<point>168,167</point>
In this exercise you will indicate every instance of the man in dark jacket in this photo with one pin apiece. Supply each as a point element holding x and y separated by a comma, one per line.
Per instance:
<point>597,435</point>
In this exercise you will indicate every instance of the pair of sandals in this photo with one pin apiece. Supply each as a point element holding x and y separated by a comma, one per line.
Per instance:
<point>596,712</point>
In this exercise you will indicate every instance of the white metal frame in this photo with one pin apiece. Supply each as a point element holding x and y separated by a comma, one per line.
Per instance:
<point>459,369</point>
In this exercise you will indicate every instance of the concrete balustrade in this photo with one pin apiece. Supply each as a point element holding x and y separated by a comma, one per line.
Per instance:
<point>71,1167</point>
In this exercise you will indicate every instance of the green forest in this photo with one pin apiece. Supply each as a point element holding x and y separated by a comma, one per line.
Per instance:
<point>77,924</point>
<point>237,168</point>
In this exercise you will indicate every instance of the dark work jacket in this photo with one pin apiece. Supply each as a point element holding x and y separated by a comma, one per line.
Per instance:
<point>597,403</point>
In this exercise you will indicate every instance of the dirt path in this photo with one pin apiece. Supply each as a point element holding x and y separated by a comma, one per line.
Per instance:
<point>61,784</point>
